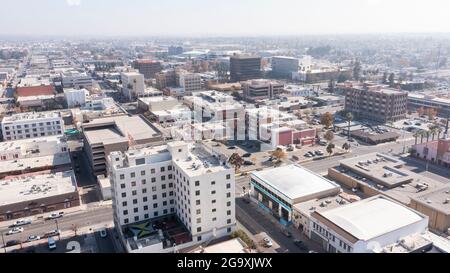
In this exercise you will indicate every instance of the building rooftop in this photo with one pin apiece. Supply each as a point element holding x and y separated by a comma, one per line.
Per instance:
<point>31,163</point>
<point>27,188</point>
<point>119,129</point>
<point>438,199</point>
<point>230,246</point>
<point>32,116</point>
<point>295,182</point>
<point>372,217</point>
<point>18,145</point>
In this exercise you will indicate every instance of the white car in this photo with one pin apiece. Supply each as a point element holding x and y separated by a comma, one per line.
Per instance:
<point>32,238</point>
<point>55,215</point>
<point>21,222</point>
<point>15,230</point>
<point>267,242</point>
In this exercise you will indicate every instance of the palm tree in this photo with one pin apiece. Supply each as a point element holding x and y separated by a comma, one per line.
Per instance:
<point>349,118</point>
<point>416,135</point>
<point>439,131</point>
<point>421,134</point>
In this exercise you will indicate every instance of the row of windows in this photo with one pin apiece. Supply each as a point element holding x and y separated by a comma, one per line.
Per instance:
<point>152,171</point>
<point>147,216</point>
<point>32,125</point>
<point>333,238</point>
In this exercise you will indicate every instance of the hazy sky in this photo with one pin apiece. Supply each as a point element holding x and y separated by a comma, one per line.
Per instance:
<point>226,17</point>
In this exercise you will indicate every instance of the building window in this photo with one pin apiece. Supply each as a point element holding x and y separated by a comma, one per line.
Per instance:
<point>144,190</point>
<point>122,186</point>
<point>155,205</point>
<point>136,218</point>
<point>124,194</point>
<point>145,207</point>
<point>135,201</point>
<point>228,185</point>
<point>228,195</point>
<point>136,210</point>
<point>213,201</point>
<point>228,212</point>
<point>155,214</point>
<point>134,192</point>
<point>198,211</point>
<point>213,192</point>
<point>197,193</point>
<point>152,171</point>
<point>199,229</point>
<point>228,204</point>
<point>122,176</point>
<point>213,183</point>
<point>197,202</point>
<point>197,183</point>
<point>132,175</point>
<point>124,203</point>
<point>199,238</point>
<point>214,210</point>
<point>228,176</point>
<point>142,172</point>
<point>169,168</point>
<point>163,169</point>
<point>125,221</point>
<point>228,221</point>
<point>153,179</point>
<point>125,212</point>
<point>133,184</point>
<point>155,197</point>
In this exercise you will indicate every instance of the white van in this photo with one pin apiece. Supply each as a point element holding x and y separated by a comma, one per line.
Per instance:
<point>51,243</point>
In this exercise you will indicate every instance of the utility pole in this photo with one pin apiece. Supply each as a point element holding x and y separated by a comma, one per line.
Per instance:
<point>4,245</point>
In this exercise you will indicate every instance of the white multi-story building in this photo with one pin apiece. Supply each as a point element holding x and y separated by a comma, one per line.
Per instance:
<point>76,79</point>
<point>176,179</point>
<point>213,106</point>
<point>27,148</point>
<point>32,125</point>
<point>133,84</point>
<point>366,226</point>
<point>75,97</point>
<point>190,82</point>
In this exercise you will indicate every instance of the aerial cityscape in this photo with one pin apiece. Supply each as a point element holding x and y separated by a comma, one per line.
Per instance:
<point>198,138</point>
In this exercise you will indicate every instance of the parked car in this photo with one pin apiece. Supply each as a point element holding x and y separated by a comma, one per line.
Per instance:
<point>12,243</point>
<point>286,233</point>
<point>52,233</point>
<point>55,215</point>
<point>32,238</point>
<point>103,233</point>
<point>322,143</point>
<point>15,230</point>
<point>267,242</point>
<point>21,222</point>
<point>51,243</point>
<point>300,245</point>
<point>307,155</point>
<point>248,163</point>
<point>231,147</point>
<point>247,155</point>
<point>319,153</point>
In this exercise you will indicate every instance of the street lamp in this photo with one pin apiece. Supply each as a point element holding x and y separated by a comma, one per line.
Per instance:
<point>57,229</point>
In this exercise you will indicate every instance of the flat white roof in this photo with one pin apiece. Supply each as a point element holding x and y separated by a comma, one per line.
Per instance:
<point>36,187</point>
<point>372,217</point>
<point>34,162</point>
<point>295,182</point>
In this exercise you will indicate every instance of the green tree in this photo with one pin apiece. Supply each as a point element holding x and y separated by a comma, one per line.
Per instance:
<point>391,79</point>
<point>329,136</point>
<point>330,148</point>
